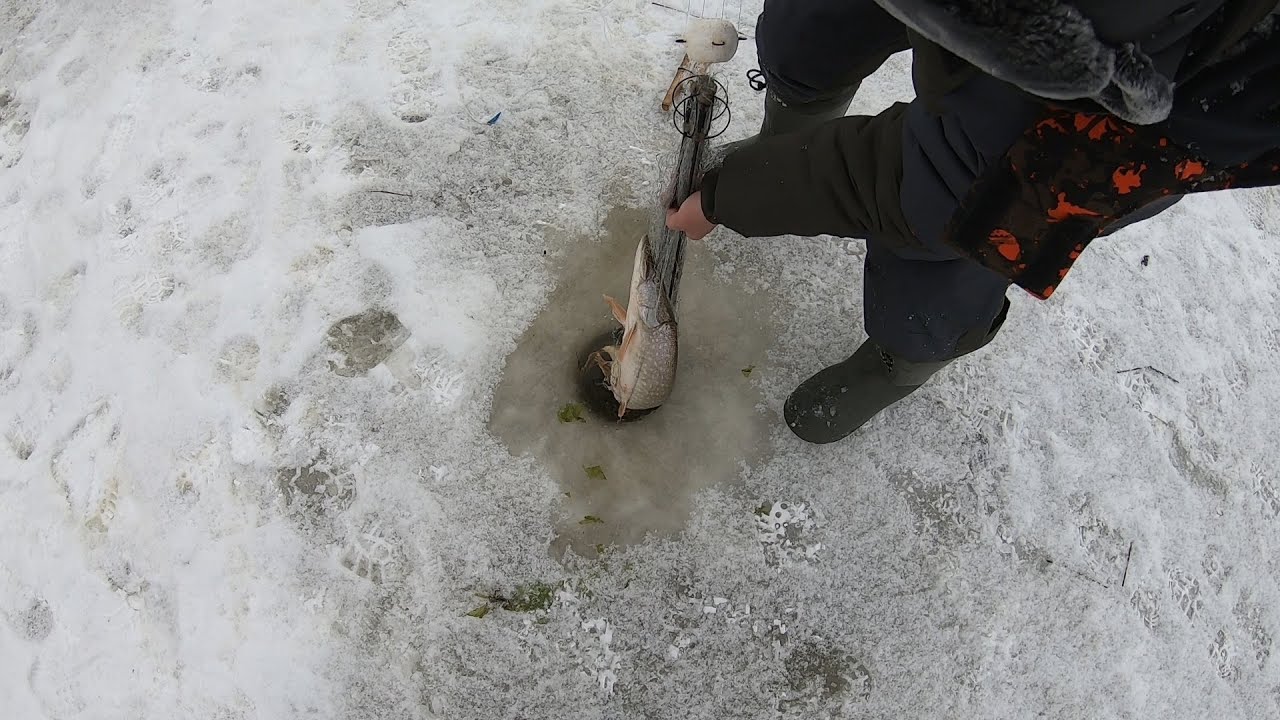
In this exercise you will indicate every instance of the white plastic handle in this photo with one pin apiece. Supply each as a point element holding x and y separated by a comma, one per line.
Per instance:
<point>710,41</point>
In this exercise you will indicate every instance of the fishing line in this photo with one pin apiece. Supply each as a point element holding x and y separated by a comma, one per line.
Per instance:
<point>718,99</point>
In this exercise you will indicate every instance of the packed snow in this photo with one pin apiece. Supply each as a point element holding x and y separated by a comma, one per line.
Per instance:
<point>268,275</point>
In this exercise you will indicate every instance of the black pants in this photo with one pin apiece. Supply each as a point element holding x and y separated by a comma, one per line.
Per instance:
<point>922,300</point>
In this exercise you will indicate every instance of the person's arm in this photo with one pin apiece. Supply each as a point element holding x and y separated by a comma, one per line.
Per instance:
<point>841,178</point>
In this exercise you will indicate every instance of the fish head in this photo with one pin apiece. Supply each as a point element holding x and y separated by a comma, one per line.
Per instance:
<point>645,267</point>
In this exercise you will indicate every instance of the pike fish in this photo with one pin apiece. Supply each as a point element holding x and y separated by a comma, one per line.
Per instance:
<point>641,369</point>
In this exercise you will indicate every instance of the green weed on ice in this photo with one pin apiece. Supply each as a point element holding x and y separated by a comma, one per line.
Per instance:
<point>528,598</point>
<point>571,413</point>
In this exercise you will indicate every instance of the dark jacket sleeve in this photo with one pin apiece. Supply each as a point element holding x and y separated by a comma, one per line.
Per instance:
<point>841,178</point>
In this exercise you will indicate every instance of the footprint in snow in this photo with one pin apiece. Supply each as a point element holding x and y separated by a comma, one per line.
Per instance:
<point>369,551</point>
<point>823,678</point>
<point>1105,549</point>
<point>317,487</point>
<point>1264,488</point>
<point>1147,604</point>
<point>35,621</point>
<point>360,342</point>
<point>1250,618</point>
<point>20,440</point>
<point>18,334</point>
<point>1185,591</point>
<point>87,467</point>
<point>15,122</point>
<point>1220,654</point>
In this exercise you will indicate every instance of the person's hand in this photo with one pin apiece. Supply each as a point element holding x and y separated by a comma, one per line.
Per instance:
<point>689,218</point>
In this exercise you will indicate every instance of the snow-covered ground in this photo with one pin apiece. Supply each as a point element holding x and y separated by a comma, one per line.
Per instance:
<point>262,265</point>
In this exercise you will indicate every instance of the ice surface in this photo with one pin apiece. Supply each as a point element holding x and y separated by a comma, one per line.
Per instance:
<point>201,517</point>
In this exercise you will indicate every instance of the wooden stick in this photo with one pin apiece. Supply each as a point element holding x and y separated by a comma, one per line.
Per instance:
<point>687,69</point>
<point>1126,564</point>
<point>669,99</point>
<point>669,7</point>
<point>1152,369</point>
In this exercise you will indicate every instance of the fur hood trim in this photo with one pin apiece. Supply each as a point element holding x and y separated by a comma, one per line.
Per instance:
<point>1046,47</point>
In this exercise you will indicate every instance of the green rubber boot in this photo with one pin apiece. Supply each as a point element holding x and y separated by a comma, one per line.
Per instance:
<point>839,399</point>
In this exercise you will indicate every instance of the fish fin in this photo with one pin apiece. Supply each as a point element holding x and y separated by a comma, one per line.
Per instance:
<point>619,312</point>
<point>627,392</point>
<point>623,400</point>
<point>597,357</point>
<point>627,342</point>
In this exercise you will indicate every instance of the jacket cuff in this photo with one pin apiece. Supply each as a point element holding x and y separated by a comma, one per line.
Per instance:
<point>708,190</point>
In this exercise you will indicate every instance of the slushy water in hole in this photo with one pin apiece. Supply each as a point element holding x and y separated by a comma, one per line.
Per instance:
<point>624,480</point>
